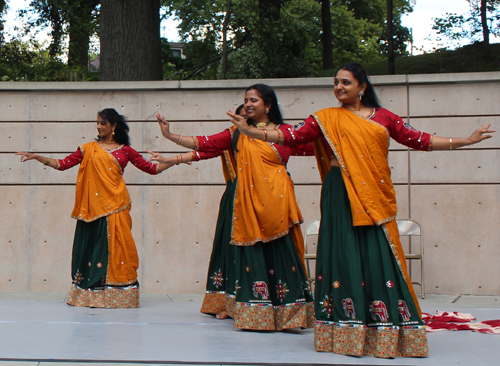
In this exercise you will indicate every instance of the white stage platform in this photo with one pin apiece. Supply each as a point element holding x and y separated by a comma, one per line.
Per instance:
<point>41,330</point>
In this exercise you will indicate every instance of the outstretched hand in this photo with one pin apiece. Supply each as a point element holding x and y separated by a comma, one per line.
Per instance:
<point>156,156</point>
<point>25,156</point>
<point>239,121</point>
<point>164,125</point>
<point>480,134</point>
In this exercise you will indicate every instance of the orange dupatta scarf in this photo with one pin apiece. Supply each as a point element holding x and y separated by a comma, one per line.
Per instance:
<point>101,192</point>
<point>265,207</point>
<point>361,147</point>
<point>100,188</point>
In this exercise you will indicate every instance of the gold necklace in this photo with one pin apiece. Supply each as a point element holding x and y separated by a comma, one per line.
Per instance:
<point>262,125</point>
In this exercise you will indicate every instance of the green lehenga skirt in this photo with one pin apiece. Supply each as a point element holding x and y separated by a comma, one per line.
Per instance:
<point>263,286</point>
<point>363,304</point>
<point>89,267</point>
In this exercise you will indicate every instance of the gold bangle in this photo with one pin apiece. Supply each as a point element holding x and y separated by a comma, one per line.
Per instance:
<point>451,146</point>
<point>182,161</point>
<point>265,135</point>
<point>47,162</point>
<point>180,138</point>
<point>177,158</point>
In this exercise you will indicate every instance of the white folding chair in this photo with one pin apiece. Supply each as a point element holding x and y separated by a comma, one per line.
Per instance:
<point>412,229</point>
<point>312,229</point>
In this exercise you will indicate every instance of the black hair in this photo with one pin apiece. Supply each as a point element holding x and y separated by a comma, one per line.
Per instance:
<point>239,109</point>
<point>369,98</point>
<point>269,97</point>
<point>115,119</point>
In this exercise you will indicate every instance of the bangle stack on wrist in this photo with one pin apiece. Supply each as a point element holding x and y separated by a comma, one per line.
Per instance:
<point>47,162</point>
<point>451,146</point>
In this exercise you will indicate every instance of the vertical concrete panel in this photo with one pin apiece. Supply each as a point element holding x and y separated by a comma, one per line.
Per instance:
<point>14,106</point>
<point>52,232</point>
<point>178,237</point>
<point>461,227</point>
<point>14,137</point>
<point>14,239</point>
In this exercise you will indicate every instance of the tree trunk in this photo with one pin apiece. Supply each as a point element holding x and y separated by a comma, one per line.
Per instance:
<point>130,40</point>
<point>224,39</point>
<point>391,69</point>
<point>484,23</point>
<point>2,8</point>
<point>57,31</point>
<point>80,29</point>
<point>327,38</point>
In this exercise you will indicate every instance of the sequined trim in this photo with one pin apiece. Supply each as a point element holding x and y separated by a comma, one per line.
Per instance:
<point>114,159</point>
<point>281,137</point>
<point>393,249</point>
<point>229,165</point>
<point>196,143</point>
<point>332,146</point>
<point>268,317</point>
<point>383,342</point>
<point>250,243</point>
<point>104,214</point>
<point>277,153</point>
<point>431,144</point>
<point>374,122</point>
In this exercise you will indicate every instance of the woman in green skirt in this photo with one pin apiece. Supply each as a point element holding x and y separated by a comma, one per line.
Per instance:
<point>365,302</point>
<point>265,286</point>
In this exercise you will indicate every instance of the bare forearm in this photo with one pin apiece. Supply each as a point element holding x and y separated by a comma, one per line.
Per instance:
<point>185,141</point>
<point>264,135</point>
<point>165,163</point>
<point>450,143</point>
<point>46,161</point>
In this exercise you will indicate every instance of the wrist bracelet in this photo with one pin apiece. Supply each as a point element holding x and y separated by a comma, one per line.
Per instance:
<point>180,138</point>
<point>182,161</point>
<point>265,135</point>
<point>47,162</point>
<point>451,140</point>
<point>177,158</point>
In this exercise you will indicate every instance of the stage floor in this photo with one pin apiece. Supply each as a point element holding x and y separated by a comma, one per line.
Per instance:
<point>41,330</point>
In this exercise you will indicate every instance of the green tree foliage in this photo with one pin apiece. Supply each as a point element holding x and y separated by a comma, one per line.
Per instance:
<point>20,61</point>
<point>456,28</point>
<point>77,19</point>
<point>3,8</point>
<point>282,38</point>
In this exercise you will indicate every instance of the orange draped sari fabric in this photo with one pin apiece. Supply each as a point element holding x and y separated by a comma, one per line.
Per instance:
<point>101,192</point>
<point>265,207</point>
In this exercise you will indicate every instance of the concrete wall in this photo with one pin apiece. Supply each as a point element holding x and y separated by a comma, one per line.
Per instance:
<point>454,195</point>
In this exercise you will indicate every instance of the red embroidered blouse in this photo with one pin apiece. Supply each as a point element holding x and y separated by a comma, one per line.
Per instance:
<point>309,130</point>
<point>222,141</point>
<point>122,154</point>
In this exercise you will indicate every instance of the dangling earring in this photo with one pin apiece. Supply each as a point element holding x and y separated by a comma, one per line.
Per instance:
<point>267,111</point>
<point>361,95</point>
<point>113,132</point>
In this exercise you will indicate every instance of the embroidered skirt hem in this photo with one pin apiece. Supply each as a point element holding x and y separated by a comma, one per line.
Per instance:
<point>383,342</point>
<point>218,303</point>
<point>277,318</point>
<point>108,298</point>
